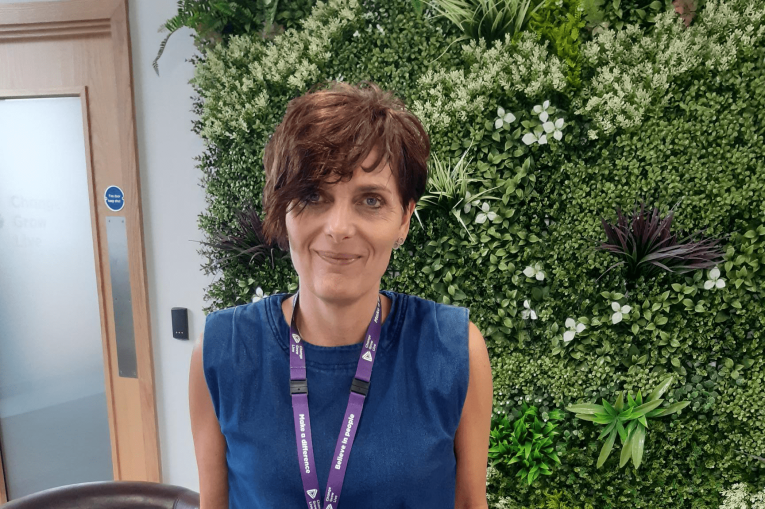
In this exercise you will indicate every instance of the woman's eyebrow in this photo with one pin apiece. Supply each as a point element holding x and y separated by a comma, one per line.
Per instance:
<point>372,188</point>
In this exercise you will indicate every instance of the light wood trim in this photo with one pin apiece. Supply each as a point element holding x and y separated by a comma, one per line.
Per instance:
<point>134,217</point>
<point>69,30</point>
<point>102,304</point>
<point>75,11</point>
<point>3,492</point>
<point>57,19</point>
<point>43,92</point>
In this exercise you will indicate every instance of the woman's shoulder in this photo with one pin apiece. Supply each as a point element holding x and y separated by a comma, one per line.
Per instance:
<point>221,325</point>
<point>232,313</point>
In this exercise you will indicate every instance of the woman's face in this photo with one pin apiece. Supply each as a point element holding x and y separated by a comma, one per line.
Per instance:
<point>342,240</point>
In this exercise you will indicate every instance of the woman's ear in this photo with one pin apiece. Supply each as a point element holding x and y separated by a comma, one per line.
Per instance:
<point>406,220</point>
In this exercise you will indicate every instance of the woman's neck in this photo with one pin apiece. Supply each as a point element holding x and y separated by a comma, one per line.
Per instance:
<point>325,323</point>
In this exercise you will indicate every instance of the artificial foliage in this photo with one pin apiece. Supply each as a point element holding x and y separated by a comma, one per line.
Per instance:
<point>491,20</point>
<point>646,244</point>
<point>667,113</point>
<point>214,21</point>
<point>560,23</point>
<point>627,419</point>
<point>618,13</point>
<point>529,442</point>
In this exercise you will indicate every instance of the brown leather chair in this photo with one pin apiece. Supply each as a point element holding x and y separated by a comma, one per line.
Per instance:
<point>110,495</point>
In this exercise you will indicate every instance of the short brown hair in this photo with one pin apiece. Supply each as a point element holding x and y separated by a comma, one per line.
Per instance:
<point>326,134</point>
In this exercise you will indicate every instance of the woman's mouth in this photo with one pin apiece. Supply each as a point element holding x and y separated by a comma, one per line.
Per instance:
<point>338,258</point>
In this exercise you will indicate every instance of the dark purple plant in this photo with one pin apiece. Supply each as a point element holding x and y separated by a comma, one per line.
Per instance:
<point>646,245</point>
<point>243,237</point>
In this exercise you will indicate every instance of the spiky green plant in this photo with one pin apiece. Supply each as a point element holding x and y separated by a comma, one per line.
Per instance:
<point>487,19</point>
<point>448,188</point>
<point>629,421</point>
<point>530,442</point>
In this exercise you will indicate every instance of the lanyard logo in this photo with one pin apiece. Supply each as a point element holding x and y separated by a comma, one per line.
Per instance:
<point>296,338</point>
<point>367,356</point>
<point>312,493</point>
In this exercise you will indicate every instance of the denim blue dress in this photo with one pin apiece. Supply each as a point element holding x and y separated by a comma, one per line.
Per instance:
<point>403,455</point>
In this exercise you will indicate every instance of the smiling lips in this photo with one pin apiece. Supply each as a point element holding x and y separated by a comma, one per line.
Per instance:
<point>337,258</point>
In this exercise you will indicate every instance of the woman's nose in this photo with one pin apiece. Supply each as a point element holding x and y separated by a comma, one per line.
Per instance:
<point>340,221</point>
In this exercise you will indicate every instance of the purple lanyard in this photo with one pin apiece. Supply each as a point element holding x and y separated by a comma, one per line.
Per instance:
<point>299,392</point>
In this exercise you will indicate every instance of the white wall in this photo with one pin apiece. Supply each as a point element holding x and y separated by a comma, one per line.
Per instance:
<point>172,199</point>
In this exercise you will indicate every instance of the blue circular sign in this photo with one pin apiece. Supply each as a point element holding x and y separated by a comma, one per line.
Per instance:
<point>114,198</point>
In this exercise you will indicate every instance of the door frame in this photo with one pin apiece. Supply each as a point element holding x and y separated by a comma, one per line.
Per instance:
<point>135,456</point>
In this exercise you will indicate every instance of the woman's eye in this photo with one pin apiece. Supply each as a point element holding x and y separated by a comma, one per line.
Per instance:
<point>312,198</point>
<point>373,201</point>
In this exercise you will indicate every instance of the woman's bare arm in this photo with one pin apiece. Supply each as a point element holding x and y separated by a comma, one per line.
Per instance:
<point>209,442</point>
<point>471,442</point>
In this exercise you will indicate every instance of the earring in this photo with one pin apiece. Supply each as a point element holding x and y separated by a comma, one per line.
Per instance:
<point>397,244</point>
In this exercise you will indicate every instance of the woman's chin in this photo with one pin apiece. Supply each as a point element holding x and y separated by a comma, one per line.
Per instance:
<point>337,287</point>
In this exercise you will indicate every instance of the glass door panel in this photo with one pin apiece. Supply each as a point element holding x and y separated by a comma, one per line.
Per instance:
<point>54,428</point>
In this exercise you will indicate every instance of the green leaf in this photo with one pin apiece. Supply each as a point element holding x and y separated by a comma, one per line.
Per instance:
<point>586,408</point>
<point>598,419</point>
<point>622,432</point>
<point>619,405</point>
<point>655,5</point>
<point>606,450</point>
<point>671,409</point>
<point>644,408</point>
<point>661,388</point>
<point>638,442</point>
<point>609,409</point>
<point>608,429</point>
<point>626,452</point>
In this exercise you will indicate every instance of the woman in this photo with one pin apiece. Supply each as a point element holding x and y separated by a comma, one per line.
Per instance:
<point>399,407</point>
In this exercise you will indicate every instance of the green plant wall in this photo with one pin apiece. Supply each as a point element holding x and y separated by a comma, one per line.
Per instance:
<point>666,115</point>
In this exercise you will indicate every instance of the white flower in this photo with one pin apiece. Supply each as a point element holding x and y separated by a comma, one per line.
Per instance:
<point>380,29</point>
<point>541,110</point>
<point>620,311</point>
<point>528,312</point>
<point>555,128</point>
<point>258,295</point>
<point>574,328</point>
<point>503,118</point>
<point>530,138</point>
<point>356,33</point>
<point>535,271</point>
<point>714,280</point>
<point>485,214</point>
<point>469,204</point>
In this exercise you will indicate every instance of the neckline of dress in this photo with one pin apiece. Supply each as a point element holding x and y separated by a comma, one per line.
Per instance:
<point>390,327</point>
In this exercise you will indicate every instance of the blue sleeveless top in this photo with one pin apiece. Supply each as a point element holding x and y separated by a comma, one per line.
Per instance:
<point>403,455</point>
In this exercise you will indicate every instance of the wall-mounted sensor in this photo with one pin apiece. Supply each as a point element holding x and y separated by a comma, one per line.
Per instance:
<point>180,323</point>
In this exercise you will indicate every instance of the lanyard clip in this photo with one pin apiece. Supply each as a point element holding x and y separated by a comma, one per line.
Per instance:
<point>298,386</point>
<point>360,386</point>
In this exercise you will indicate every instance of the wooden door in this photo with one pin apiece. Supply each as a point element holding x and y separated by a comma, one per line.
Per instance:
<point>81,48</point>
